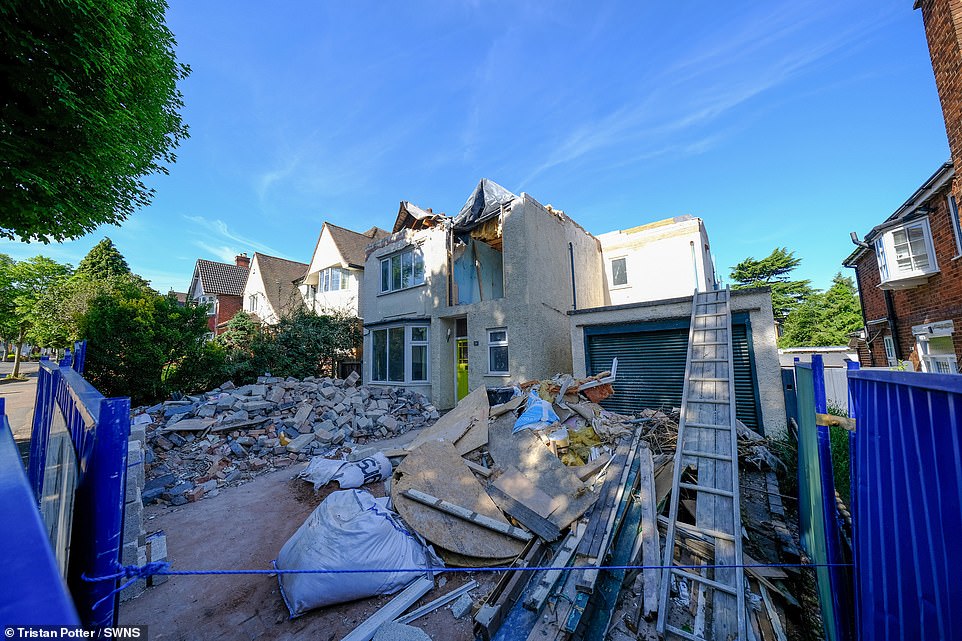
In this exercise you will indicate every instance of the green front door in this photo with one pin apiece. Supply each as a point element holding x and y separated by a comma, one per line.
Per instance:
<point>462,347</point>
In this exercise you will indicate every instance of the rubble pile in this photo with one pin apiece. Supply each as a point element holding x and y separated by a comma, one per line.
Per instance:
<point>199,444</point>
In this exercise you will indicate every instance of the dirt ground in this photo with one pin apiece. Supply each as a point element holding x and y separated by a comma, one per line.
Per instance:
<point>244,528</point>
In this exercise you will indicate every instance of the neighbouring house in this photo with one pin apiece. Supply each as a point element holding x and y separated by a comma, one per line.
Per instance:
<point>270,291</point>
<point>180,296</point>
<point>650,341</point>
<point>484,297</point>
<point>333,279</point>
<point>909,277</point>
<point>676,246</point>
<point>220,286</point>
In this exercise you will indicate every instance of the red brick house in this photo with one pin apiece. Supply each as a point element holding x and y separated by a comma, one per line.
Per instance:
<point>221,286</point>
<point>909,275</point>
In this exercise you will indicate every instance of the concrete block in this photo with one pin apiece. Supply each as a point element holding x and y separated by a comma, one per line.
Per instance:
<point>300,443</point>
<point>395,631</point>
<point>462,606</point>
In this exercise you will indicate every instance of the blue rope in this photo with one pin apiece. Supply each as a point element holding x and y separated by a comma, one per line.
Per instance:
<point>161,568</point>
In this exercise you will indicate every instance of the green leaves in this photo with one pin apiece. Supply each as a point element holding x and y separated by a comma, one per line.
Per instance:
<point>826,318</point>
<point>90,107</point>
<point>774,271</point>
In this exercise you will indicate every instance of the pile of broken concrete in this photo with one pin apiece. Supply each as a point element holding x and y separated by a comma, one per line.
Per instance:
<point>229,435</point>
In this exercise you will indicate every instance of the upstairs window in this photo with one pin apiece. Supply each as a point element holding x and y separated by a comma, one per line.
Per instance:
<point>906,252</point>
<point>252,303</point>
<point>333,279</point>
<point>402,270</point>
<point>619,272</point>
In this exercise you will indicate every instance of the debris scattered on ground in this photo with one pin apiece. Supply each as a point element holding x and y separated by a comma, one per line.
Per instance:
<point>197,445</point>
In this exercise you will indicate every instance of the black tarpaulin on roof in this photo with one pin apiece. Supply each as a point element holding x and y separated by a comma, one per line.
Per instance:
<point>485,202</point>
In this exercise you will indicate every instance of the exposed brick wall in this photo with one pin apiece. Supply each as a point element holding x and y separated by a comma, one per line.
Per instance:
<point>938,300</point>
<point>227,306</point>
<point>943,27</point>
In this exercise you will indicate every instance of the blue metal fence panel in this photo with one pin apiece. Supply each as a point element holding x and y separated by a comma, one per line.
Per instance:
<point>98,430</point>
<point>908,506</point>
<point>32,591</point>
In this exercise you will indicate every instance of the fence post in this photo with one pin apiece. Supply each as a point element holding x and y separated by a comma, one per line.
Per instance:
<point>100,507</point>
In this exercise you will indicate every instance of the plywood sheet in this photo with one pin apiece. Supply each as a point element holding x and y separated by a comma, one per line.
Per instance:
<point>525,452</point>
<point>436,468</point>
<point>466,425</point>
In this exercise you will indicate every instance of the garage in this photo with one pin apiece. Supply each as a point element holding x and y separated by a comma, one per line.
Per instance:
<point>651,364</point>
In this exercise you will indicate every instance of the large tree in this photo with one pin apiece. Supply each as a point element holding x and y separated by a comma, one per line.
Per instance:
<point>826,318</point>
<point>103,261</point>
<point>774,271</point>
<point>90,107</point>
<point>28,280</point>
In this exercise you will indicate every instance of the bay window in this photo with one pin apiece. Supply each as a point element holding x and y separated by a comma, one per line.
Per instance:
<point>399,354</point>
<point>906,256</point>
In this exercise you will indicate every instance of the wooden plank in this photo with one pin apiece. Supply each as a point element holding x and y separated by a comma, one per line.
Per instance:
<point>830,420</point>
<point>587,470</point>
<point>650,553</point>
<point>391,610</point>
<point>466,514</point>
<point>480,469</point>
<point>525,515</point>
<point>436,469</point>
<point>773,614</point>
<point>536,599</point>
<point>430,607</point>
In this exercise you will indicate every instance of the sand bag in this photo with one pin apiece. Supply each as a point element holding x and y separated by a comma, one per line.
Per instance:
<point>350,530</point>
<point>321,471</point>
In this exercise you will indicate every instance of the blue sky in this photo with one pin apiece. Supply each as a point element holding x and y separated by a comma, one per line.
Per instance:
<point>780,124</point>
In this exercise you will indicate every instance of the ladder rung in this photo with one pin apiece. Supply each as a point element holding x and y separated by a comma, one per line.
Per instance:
<point>709,360</point>
<point>700,344</point>
<point>709,426</point>
<point>711,455</point>
<point>683,634</point>
<point>705,488</point>
<point>707,380</point>
<point>710,313</point>
<point>709,582</point>
<point>724,536</point>
<point>714,401</point>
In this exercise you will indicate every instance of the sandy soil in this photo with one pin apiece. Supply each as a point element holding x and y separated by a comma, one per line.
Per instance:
<point>245,527</point>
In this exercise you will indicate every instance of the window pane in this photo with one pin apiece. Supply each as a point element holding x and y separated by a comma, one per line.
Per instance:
<point>418,268</point>
<point>619,272</point>
<point>419,334</point>
<point>419,362</point>
<point>335,279</point>
<point>395,272</point>
<point>379,363</point>
<point>385,275</point>
<point>920,256</point>
<point>498,336</point>
<point>345,279</point>
<point>396,354</point>
<point>406,269</point>
<point>498,359</point>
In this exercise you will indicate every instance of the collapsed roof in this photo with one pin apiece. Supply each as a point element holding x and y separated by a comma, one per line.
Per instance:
<point>485,203</point>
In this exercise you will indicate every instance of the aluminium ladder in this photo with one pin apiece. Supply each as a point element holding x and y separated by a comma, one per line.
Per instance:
<point>708,439</point>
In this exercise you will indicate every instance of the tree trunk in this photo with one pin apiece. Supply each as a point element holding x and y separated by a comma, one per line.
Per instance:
<point>6,348</point>
<point>16,358</point>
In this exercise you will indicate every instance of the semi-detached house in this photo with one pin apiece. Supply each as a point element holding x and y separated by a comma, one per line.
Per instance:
<point>497,294</point>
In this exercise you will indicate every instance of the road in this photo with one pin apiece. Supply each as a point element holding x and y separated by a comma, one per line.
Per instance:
<point>19,396</point>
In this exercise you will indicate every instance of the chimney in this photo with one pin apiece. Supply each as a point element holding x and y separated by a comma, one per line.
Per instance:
<point>241,260</point>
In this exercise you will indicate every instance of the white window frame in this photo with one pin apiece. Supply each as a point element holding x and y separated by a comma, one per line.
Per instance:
<point>956,225</point>
<point>889,344</point>
<point>414,257</point>
<point>498,343</point>
<point>253,302</point>
<point>408,360</point>
<point>326,278</point>
<point>936,363</point>
<point>611,265</point>
<point>889,270</point>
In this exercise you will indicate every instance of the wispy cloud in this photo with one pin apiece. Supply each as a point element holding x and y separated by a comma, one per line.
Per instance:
<point>215,237</point>
<point>700,89</point>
